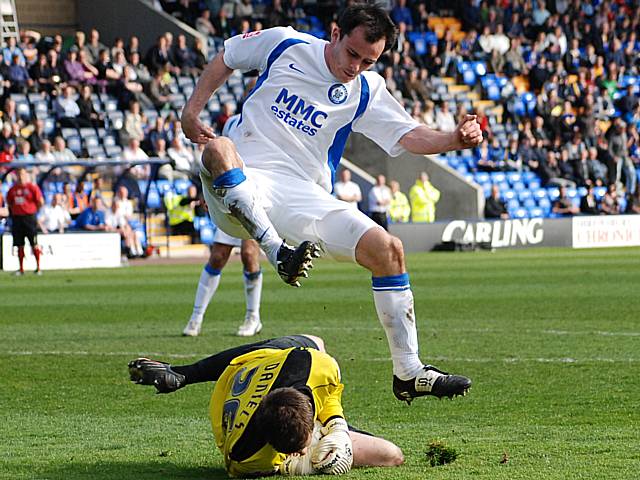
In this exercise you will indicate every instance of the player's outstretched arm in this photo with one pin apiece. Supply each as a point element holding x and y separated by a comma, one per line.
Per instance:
<point>423,140</point>
<point>212,78</point>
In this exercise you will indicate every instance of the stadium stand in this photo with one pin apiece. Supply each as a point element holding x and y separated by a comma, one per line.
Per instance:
<point>562,78</point>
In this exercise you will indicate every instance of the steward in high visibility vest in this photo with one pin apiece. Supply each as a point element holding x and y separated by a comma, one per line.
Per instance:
<point>399,209</point>
<point>424,197</point>
<point>180,211</point>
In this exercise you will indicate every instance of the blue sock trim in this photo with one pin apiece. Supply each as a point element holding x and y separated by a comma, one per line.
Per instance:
<point>392,282</point>
<point>212,271</point>
<point>230,178</point>
<point>252,275</point>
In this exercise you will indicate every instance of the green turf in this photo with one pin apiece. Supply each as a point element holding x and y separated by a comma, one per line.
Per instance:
<point>551,339</point>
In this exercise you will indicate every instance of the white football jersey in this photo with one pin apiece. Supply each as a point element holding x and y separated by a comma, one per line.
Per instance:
<point>297,118</point>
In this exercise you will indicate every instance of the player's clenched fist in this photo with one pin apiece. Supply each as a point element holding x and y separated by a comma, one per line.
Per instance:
<point>469,131</point>
<point>195,130</point>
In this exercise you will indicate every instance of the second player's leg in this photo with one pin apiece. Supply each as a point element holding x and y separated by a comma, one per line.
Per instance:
<point>207,286</point>
<point>250,255</point>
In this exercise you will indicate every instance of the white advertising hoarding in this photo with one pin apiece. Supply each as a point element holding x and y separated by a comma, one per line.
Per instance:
<point>606,231</point>
<point>66,251</point>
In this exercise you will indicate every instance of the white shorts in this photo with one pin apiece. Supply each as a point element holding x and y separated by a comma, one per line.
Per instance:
<point>299,210</point>
<point>221,237</point>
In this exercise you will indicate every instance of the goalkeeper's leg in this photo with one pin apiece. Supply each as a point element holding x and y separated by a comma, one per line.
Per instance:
<point>372,451</point>
<point>168,378</point>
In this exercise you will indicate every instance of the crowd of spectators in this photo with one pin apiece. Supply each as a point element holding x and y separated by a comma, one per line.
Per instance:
<point>579,60</point>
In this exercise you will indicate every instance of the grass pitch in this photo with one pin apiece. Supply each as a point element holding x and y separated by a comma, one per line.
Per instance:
<point>551,339</point>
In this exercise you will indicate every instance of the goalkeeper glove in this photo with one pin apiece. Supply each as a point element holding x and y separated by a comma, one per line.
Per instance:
<point>334,453</point>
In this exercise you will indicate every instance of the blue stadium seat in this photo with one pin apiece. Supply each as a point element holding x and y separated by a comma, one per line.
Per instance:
<point>529,176</point>
<point>508,195</point>
<point>518,186</point>
<point>96,152</point>
<point>599,192</point>
<point>482,177</point>
<point>91,141</point>
<point>469,177</point>
<point>68,132</point>
<point>181,186</point>
<point>113,151</point>
<point>164,186</point>
<point>207,234</point>
<point>545,205</point>
<point>553,193</point>
<point>498,177</point>
<point>572,192</point>
<point>503,186</point>
<point>513,177</point>
<point>512,204</point>
<point>524,194</point>
<point>154,200</point>
<point>529,203</point>
<point>533,184</point>
<point>109,140</point>
<point>74,144</point>
<point>520,213</point>
<point>536,212</point>
<point>540,193</point>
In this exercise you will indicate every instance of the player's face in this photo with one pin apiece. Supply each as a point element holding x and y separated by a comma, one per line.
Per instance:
<point>352,54</point>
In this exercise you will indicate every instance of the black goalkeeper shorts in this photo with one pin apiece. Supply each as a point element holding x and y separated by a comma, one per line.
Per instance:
<point>24,227</point>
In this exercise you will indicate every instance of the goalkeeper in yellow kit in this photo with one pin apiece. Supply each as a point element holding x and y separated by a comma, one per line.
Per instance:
<point>276,408</point>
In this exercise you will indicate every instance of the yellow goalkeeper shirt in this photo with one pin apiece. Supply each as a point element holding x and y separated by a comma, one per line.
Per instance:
<point>250,377</point>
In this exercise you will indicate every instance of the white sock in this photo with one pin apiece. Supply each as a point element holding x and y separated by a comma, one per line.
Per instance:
<point>207,286</point>
<point>238,195</point>
<point>394,304</point>
<point>253,291</point>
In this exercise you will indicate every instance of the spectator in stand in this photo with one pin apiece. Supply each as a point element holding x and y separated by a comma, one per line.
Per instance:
<point>204,25</point>
<point>610,203</point>
<point>129,90</point>
<point>139,71</point>
<point>181,211</point>
<point>494,206</point>
<point>88,113</point>
<point>132,152</point>
<point>399,208</point>
<point>159,91</point>
<point>12,50</point>
<point>563,206</point>
<point>243,11</point>
<point>116,221</point>
<point>228,110</point>
<point>60,151</point>
<point>118,47</point>
<point>45,154</point>
<point>74,69</point>
<point>134,122</point>
<point>423,196</point>
<point>90,72</point>
<point>94,48</point>
<point>158,56</point>
<point>566,167</point>
<point>159,131</point>
<point>7,155</point>
<point>119,62</point>
<point>633,203</point>
<point>24,152</point>
<point>10,113</point>
<point>551,174</point>
<point>107,76</point>
<point>54,218</point>
<point>588,203</point>
<point>347,190</point>
<point>444,118</point>
<point>18,76</point>
<point>379,202</point>
<point>512,158</point>
<point>618,142</point>
<point>67,110</point>
<point>24,199</point>
<point>415,88</point>
<point>92,219</point>
<point>402,13</point>
<point>182,158</point>
<point>183,57</point>
<point>199,52</point>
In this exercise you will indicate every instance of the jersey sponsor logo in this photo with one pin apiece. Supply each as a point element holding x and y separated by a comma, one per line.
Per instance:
<point>242,380</point>
<point>298,113</point>
<point>293,67</point>
<point>338,93</point>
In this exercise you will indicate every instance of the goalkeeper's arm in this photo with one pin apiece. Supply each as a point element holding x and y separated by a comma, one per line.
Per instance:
<point>334,452</point>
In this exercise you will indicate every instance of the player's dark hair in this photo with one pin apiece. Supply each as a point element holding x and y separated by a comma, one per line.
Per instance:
<point>374,19</point>
<point>285,417</point>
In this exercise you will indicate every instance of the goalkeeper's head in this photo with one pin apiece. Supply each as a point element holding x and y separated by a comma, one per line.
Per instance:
<point>285,416</point>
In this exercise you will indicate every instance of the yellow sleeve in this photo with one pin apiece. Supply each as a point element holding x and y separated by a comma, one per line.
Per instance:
<point>326,386</point>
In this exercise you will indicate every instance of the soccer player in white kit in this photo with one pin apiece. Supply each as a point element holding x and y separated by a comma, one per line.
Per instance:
<point>210,277</point>
<point>272,179</point>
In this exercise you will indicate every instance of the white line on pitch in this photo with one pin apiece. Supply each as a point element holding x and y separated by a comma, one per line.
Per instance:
<point>369,359</point>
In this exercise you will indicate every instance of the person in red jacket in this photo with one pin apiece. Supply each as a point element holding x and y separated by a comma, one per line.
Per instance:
<point>24,200</point>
